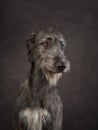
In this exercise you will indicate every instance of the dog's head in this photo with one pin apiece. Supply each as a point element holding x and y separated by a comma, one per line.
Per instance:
<point>46,49</point>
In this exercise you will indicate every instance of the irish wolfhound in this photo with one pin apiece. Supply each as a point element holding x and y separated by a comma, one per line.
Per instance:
<point>38,106</point>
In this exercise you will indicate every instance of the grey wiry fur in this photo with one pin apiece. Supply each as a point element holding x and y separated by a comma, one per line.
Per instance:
<point>38,106</point>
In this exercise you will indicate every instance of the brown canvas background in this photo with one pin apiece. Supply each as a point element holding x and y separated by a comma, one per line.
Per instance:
<point>78,21</point>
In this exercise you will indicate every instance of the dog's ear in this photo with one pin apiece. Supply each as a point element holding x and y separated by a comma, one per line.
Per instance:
<point>31,40</point>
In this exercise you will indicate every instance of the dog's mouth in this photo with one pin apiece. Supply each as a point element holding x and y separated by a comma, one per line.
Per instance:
<point>50,71</point>
<point>54,71</point>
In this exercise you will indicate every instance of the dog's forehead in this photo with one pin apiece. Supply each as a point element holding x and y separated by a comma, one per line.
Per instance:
<point>53,35</point>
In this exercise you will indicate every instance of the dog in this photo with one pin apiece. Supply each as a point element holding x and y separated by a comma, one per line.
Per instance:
<point>38,106</point>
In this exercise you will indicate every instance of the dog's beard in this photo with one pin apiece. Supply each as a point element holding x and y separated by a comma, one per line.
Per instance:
<point>67,67</point>
<point>50,75</point>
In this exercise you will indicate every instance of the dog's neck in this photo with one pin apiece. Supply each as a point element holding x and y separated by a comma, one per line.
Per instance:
<point>38,80</point>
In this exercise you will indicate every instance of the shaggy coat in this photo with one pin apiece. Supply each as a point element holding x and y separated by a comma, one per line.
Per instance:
<point>38,106</point>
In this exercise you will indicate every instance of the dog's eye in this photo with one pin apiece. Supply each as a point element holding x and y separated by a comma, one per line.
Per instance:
<point>62,45</point>
<point>46,44</point>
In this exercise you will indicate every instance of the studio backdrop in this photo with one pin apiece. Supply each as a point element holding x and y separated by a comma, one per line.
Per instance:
<point>77,20</point>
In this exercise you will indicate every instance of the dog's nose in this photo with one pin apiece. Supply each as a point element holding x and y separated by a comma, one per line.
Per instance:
<point>61,67</point>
